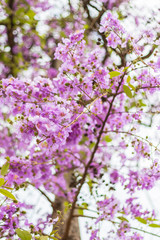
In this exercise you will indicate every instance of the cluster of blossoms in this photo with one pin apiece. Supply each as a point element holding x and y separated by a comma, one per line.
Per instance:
<point>145,179</point>
<point>80,126</point>
<point>38,110</point>
<point>9,218</point>
<point>110,207</point>
<point>114,31</point>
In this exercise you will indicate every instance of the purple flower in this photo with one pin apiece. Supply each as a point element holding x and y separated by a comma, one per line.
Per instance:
<point>75,134</point>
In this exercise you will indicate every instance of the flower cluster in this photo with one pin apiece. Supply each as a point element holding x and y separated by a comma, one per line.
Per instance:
<point>114,30</point>
<point>75,121</point>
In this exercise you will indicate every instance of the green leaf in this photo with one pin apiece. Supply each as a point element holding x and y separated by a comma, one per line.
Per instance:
<point>141,103</point>
<point>62,34</point>
<point>80,211</point>
<point>83,140</point>
<point>128,79</point>
<point>107,138</point>
<point>7,158</point>
<point>91,145</point>
<point>154,225</point>
<point>24,235</point>
<point>151,219</point>
<point>123,219</point>
<point>7,193</point>
<point>4,169</point>
<point>144,221</point>
<point>31,14</point>
<point>125,69</point>
<point>90,185</point>
<point>8,188</point>
<point>53,232</point>
<point>83,154</point>
<point>120,15</point>
<point>2,181</point>
<point>20,11</point>
<point>43,238</point>
<point>114,74</point>
<point>131,86</point>
<point>127,91</point>
<point>67,206</point>
<point>85,205</point>
<point>86,26</point>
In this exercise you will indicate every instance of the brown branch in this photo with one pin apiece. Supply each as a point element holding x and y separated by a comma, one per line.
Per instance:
<point>137,89</point>
<point>68,224</point>
<point>134,228</point>
<point>10,28</point>
<point>44,194</point>
<point>65,170</point>
<point>96,20</point>
<point>3,22</point>
<point>86,209</point>
<point>135,135</point>
<point>124,112</point>
<point>105,47</point>
<point>141,230</point>
<point>91,5</point>
<point>94,23</point>
<point>70,6</point>
<point>77,216</point>
<point>150,53</point>
<point>85,2</point>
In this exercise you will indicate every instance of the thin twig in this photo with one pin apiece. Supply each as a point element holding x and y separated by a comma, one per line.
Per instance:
<point>68,224</point>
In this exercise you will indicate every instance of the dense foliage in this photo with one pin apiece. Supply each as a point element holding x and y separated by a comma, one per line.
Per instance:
<point>78,81</point>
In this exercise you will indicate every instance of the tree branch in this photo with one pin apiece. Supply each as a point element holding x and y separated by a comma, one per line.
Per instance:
<point>10,35</point>
<point>141,230</point>
<point>68,224</point>
<point>134,135</point>
<point>44,194</point>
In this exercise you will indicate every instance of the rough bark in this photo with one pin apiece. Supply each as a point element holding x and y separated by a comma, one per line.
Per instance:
<point>74,233</point>
<point>59,205</point>
<point>10,35</point>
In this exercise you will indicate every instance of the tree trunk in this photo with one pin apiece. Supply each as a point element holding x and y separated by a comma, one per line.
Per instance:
<point>59,205</point>
<point>74,233</point>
